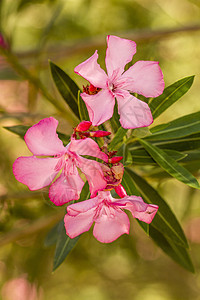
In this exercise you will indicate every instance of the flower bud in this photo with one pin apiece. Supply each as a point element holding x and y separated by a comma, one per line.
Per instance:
<point>83,126</point>
<point>115,159</point>
<point>120,190</point>
<point>99,133</point>
<point>113,175</point>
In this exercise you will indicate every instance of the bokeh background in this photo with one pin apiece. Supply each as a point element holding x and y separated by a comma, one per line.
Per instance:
<point>67,32</point>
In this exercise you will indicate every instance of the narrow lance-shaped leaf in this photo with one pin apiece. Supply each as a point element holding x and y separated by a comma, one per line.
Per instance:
<point>170,95</point>
<point>83,113</point>
<point>117,140</point>
<point>130,188</point>
<point>170,165</point>
<point>125,153</point>
<point>184,126</point>
<point>176,252</point>
<point>67,87</point>
<point>191,142</point>
<point>165,220</point>
<point>141,156</point>
<point>114,121</point>
<point>64,243</point>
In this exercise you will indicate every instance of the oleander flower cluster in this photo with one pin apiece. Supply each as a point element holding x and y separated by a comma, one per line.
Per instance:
<point>65,169</point>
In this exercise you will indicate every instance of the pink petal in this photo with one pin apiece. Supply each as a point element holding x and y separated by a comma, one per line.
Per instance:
<point>109,228</point>
<point>139,209</point>
<point>134,113</point>
<point>34,172</point>
<point>78,224</point>
<point>65,189</point>
<point>93,173</point>
<point>92,72</point>
<point>145,78</point>
<point>42,139</point>
<point>118,54</point>
<point>87,147</point>
<point>100,106</point>
<point>82,207</point>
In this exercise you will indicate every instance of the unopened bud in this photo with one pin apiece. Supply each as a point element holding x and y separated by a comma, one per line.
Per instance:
<point>115,159</point>
<point>92,88</point>
<point>99,133</point>
<point>120,190</point>
<point>83,126</point>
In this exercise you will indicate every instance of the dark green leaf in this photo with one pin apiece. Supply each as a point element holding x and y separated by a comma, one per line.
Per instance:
<point>82,109</point>
<point>165,220</point>
<point>66,86</point>
<point>114,121</point>
<point>176,252</point>
<point>118,139</point>
<point>64,245</point>
<point>170,95</point>
<point>52,235</point>
<point>18,129</point>
<point>191,142</point>
<point>170,165</point>
<point>130,188</point>
<point>187,125</point>
<point>127,158</point>
<point>141,156</point>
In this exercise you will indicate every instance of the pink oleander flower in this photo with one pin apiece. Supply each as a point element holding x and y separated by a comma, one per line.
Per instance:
<point>108,214</point>
<point>20,289</point>
<point>36,173</point>
<point>144,77</point>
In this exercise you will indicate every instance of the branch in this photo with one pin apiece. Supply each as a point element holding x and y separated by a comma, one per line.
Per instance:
<point>33,228</point>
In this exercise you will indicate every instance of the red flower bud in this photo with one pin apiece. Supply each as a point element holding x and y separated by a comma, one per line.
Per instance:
<point>83,126</point>
<point>115,159</point>
<point>99,133</point>
<point>92,88</point>
<point>120,190</point>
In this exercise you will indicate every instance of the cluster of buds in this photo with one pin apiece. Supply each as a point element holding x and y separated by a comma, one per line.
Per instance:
<point>82,129</point>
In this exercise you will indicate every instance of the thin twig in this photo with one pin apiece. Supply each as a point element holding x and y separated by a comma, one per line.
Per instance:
<point>33,228</point>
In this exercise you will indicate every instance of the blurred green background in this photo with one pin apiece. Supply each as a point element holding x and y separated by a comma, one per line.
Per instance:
<point>68,32</point>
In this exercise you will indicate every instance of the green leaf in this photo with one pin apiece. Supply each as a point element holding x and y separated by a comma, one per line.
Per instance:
<point>66,86</point>
<point>21,131</point>
<point>141,132</point>
<point>127,158</point>
<point>52,235</point>
<point>176,252</point>
<point>83,113</point>
<point>170,165</point>
<point>142,156</point>
<point>190,142</point>
<point>165,220</point>
<point>118,139</point>
<point>18,129</point>
<point>186,125</point>
<point>64,245</point>
<point>170,95</point>
<point>114,121</point>
<point>130,188</point>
